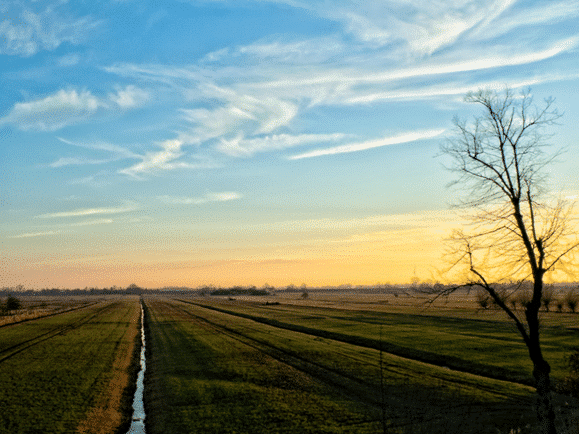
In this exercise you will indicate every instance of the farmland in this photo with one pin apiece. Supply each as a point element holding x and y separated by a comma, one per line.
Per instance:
<point>220,365</point>
<point>331,363</point>
<point>69,372</point>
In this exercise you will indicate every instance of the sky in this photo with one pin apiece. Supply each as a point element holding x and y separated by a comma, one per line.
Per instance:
<point>187,143</point>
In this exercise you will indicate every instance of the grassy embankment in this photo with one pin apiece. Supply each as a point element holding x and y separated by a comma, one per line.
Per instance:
<point>212,372</point>
<point>483,343</point>
<point>69,372</point>
<point>34,307</point>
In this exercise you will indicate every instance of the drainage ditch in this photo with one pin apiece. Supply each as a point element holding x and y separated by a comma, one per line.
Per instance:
<point>138,420</point>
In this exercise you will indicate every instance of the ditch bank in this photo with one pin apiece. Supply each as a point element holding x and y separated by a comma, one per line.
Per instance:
<point>137,423</point>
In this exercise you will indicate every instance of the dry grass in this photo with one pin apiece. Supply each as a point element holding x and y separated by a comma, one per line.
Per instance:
<point>107,414</point>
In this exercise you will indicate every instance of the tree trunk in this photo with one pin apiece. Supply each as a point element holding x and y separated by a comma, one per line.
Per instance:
<point>545,410</point>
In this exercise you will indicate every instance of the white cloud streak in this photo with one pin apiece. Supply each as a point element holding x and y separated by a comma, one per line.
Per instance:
<point>239,100</point>
<point>36,234</point>
<point>129,97</point>
<point>119,151</point>
<point>166,159</point>
<point>92,222</point>
<point>54,111</point>
<point>83,212</point>
<point>209,197</point>
<point>370,144</point>
<point>240,147</point>
<point>74,161</point>
<point>33,31</point>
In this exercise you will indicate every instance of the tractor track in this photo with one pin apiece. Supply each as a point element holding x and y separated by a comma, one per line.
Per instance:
<point>347,384</point>
<point>385,367</point>
<point>20,347</point>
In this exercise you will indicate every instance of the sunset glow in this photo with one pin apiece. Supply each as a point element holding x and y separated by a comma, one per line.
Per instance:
<point>188,143</point>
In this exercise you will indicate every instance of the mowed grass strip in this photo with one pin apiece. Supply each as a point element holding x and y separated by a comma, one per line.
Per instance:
<point>475,344</point>
<point>59,369</point>
<point>217,367</point>
<point>202,380</point>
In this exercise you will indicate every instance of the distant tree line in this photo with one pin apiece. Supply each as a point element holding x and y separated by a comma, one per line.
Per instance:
<point>239,290</point>
<point>519,295</point>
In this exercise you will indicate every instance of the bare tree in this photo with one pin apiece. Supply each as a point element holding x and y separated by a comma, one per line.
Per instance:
<point>517,231</point>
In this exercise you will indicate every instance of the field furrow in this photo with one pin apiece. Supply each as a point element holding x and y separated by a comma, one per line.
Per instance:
<point>59,370</point>
<point>202,359</point>
<point>490,348</point>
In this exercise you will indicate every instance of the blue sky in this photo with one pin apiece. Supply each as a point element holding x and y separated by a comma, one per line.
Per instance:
<point>195,142</point>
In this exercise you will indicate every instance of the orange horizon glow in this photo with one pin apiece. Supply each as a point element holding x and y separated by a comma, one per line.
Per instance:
<point>395,249</point>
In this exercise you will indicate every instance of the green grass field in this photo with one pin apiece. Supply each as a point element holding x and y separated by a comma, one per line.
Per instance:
<point>468,340</point>
<point>214,365</point>
<point>249,368</point>
<point>68,372</point>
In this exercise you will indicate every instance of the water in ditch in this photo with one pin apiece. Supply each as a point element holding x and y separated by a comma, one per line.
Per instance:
<point>138,421</point>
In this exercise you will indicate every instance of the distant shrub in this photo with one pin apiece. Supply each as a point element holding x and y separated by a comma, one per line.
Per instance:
<point>513,303</point>
<point>571,300</point>
<point>12,303</point>
<point>483,299</point>
<point>548,296</point>
<point>524,298</point>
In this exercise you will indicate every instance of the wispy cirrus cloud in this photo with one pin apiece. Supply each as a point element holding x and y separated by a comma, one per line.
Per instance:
<point>24,32</point>
<point>370,144</point>
<point>68,107</point>
<point>75,161</point>
<point>93,222</point>
<point>257,114</point>
<point>169,158</point>
<point>117,151</point>
<point>83,212</point>
<point>53,112</point>
<point>241,147</point>
<point>129,97</point>
<point>244,100</point>
<point>36,234</point>
<point>209,197</point>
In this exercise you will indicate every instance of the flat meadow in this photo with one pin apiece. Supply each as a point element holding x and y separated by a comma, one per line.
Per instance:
<point>334,362</point>
<point>67,368</point>
<point>341,363</point>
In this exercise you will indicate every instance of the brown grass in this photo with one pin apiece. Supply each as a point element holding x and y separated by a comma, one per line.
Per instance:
<point>107,414</point>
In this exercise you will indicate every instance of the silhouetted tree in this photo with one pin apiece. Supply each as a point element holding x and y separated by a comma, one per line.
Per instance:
<point>518,231</point>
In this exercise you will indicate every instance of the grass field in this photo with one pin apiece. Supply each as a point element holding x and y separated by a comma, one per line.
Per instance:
<point>484,343</point>
<point>334,363</point>
<point>39,307</point>
<point>227,366</point>
<point>69,372</point>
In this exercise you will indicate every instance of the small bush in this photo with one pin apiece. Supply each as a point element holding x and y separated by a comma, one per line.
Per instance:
<point>571,301</point>
<point>12,303</point>
<point>547,296</point>
<point>524,298</point>
<point>483,299</point>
